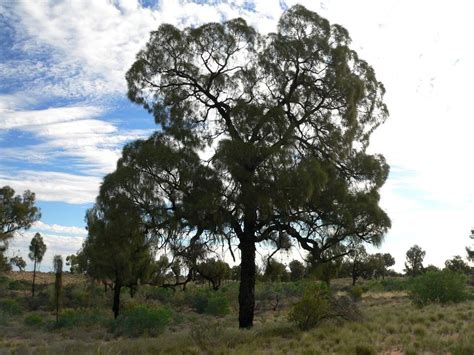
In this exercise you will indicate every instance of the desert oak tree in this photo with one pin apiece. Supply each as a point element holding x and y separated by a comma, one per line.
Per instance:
<point>261,136</point>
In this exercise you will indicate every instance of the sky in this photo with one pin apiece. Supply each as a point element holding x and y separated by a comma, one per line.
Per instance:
<point>64,115</point>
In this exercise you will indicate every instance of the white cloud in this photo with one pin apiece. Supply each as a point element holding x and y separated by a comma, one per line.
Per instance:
<point>28,119</point>
<point>91,145</point>
<point>59,229</point>
<point>53,186</point>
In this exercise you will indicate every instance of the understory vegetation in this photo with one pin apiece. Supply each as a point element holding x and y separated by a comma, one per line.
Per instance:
<point>305,316</point>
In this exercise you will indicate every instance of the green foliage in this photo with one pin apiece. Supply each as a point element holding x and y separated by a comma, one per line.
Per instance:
<point>312,308</point>
<point>275,271</point>
<point>364,350</point>
<point>457,264</point>
<point>217,305</point>
<point>297,270</point>
<point>4,262</point>
<point>71,318</point>
<point>37,249</point>
<point>356,292</point>
<point>208,302</point>
<point>390,285</point>
<point>215,271</point>
<point>294,123</point>
<point>16,212</point>
<point>10,307</point>
<point>18,261</point>
<point>414,261</point>
<point>19,285</point>
<point>33,320</point>
<point>438,287</point>
<point>142,320</point>
<point>75,263</point>
<point>162,294</point>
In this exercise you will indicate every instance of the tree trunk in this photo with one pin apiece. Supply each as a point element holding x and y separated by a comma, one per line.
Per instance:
<point>116,304</point>
<point>354,275</point>
<point>247,282</point>
<point>34,277</point>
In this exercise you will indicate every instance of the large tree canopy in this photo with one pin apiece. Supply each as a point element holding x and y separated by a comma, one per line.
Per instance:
<point>262,137</point>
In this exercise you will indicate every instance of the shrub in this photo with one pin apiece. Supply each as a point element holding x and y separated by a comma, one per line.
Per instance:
<point>142,320</point>
<point>19,285</point>
<point>208,302</point>
<point>217,305</point>
<point>164,295</point>
<point>312,308</point>
<point>72,318</point>
<point>438,287</point>
<point>33,320</point>
<point>356,293</point>
<point>3,319</point>
<point>10,307</point>
<point>197,299</point>
<point>364,350</point>
<point>394,285</point>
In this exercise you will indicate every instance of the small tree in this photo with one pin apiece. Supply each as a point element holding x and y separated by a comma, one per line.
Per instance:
<point>457,264</point>
<point>275,271</point>
<point>414,261</point>
<point>215,271</point>
<point>37,250</point>
<point>58,284</point>
<point>297,270</point>
<point>388,261</point>
<point>356,261</point>
<point>19,262</point>
<point>74,263</point>
<point>118,247</point>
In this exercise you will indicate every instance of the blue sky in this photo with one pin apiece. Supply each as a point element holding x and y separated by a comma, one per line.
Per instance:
<point>64,115</point>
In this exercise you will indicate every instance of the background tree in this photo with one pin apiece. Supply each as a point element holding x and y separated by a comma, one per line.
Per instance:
<point>356,261</point>
<point>285,120</point>
<point>297,270</point>
<point>431,268</point>
<point>215,271</point>
<point>470,254</point>
<point>19,262</point>
<point>275,271</point>
<point>457,264</point>
<point>16,212</point>
<point>118,247</point>
<point>74,263</point>
<point>58,283</point>
<point>37,250</point>
<point>414,261</point>
<point>235,272</point>
<point>4,262</point>
<point>388,261</point>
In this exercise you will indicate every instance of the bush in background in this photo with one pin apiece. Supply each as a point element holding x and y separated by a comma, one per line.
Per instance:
<point>10,307</point>
<point>356,293</point>
<point>208,302</point>
<point>33,320</point>
<point>438,287</point>
<point>142,320</point>
<point>312,308</point>
<point>70,318</point>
